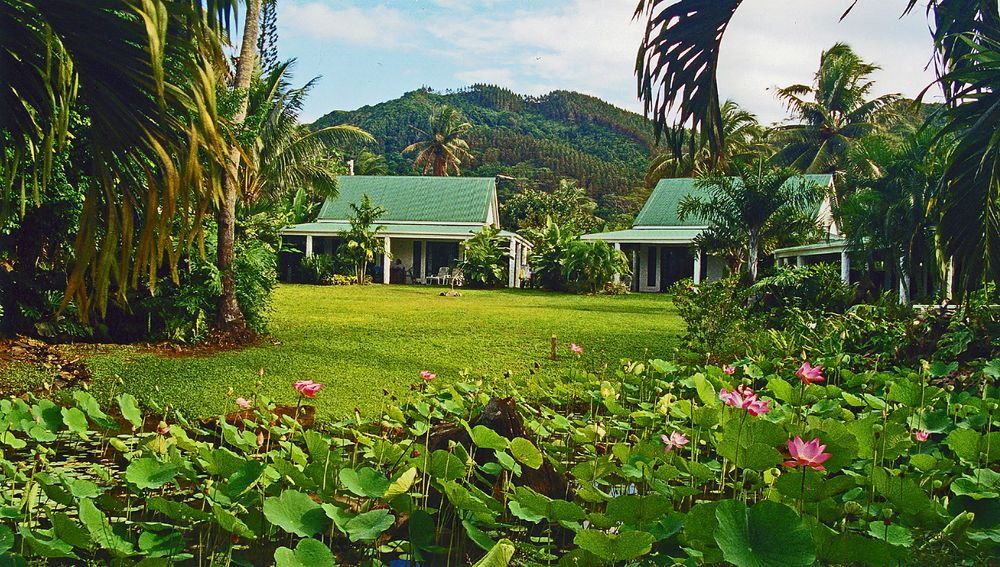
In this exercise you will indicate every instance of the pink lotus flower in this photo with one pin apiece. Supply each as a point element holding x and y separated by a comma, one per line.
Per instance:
<point>308,388</point>
<point>728,369</point>
<point>676,439</point>
<point>163,428</point>
<point>921,435</point>
<point>741,397</point>
<point>758,407</point>
<point>243,403</point>
<point>427,375</point>
<point>806,454</point>
<point>810,374</point>
<point>577,349</point>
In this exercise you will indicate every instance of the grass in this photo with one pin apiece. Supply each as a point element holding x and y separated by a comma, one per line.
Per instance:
<point>358,341</point>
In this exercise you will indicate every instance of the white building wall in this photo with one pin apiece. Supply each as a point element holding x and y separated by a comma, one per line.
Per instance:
<point>715,268</point>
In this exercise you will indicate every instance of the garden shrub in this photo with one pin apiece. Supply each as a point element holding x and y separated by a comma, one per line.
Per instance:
<point>485,261</point>
<point>719,325</point>
<point>549,249</point>
<point>588,266</point>
<point>816,288</point>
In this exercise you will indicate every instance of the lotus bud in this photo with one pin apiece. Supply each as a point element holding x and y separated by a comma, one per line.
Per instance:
<point>260,438</point>
<point>852,508</point>
<point>937,483</point>
<point>886,513</point>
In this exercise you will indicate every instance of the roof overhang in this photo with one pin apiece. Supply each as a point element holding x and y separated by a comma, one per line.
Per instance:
<point>418,230</point>
<point>829,247</point>
<point>649,235</point>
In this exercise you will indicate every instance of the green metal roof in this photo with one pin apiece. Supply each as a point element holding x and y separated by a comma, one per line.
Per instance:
<point>401,230</point>
<point>827,246</point>
<point>661,207</point>
<point>650,235</point>
<point>418,199</point>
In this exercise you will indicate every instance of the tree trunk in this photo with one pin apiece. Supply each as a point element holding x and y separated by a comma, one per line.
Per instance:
<point>752,252</point>
<point>230,316</point>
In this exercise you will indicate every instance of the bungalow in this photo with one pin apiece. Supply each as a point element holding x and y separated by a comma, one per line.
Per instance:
<point>662,247</point>
<point>426,219</point>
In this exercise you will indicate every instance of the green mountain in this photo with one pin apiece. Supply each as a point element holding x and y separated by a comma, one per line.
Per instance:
<point>535,140</point>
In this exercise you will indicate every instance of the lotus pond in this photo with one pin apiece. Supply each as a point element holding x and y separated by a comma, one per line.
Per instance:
<point>649,463</point>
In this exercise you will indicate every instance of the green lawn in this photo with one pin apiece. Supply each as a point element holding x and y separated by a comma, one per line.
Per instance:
<point>358,341</point>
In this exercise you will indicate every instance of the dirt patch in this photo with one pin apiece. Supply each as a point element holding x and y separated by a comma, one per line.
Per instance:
<point>216,342</point>
<point>66,369</point>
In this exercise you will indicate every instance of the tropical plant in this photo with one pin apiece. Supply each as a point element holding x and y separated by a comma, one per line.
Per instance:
<point>441,148</point>
<point>484,260</point>
<point>687,156</point>
<point>568,206</point>
<point>362,243</point>
<point>889,216</point>
<point>835,112</point>
<point>591,265</point>
<point>757,206</point>
<point>288,155</point>
<point>368,163</point>
<point>147,89</point>
<point>549,247</point>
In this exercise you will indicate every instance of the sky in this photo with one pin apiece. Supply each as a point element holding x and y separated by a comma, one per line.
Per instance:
<point>368,52</point>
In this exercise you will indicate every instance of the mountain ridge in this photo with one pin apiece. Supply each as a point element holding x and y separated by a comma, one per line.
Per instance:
<point>536,140</point>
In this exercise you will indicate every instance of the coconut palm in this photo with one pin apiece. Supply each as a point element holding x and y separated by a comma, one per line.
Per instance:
<point>756,205</point>
<point>834,112</point>
<point>441,148</point>
<point>144,75</point>
<point>687,156</point>
<point>287,154</point>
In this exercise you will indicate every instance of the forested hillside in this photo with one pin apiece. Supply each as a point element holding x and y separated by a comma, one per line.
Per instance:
<point>536,140</point>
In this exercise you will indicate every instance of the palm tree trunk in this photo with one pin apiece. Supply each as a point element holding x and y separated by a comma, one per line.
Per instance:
<point>753,247</point>
<point>230,316</point>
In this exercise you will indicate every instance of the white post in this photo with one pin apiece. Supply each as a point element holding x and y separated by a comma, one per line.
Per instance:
<point>618,277</point>
<point>800,261</point>
<point>845,267</point>
<point>949,279</point>
<point>511,263</point>
<point>309,246</point>
<point>904,282</point>
<point>697,266</point>
<point>387,260</point>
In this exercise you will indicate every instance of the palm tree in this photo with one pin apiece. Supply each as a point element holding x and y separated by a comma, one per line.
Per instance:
<point>755,206</point>
<point>370,163</point>
<point>835,112</point>
<point>678,59</point>
<point>442,149</point>
<point>687,156</point>
<point>289,156</point>
<point>145,76</point>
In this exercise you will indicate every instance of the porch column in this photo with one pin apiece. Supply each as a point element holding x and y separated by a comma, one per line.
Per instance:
<point>949,279</point>
<point>618,277</point>
<point>845,267</point>
<point>697,266</point>
<point>387,260</point>
<point>904,282</point>
<point>635,268</point>
<point>800,261</point>
<point>309,246</point>
<point>512,263</point>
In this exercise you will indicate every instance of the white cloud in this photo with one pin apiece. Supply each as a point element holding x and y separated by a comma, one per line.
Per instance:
<point>378,26</point>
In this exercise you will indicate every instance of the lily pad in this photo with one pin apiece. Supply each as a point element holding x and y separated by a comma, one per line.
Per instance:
<point>296,513</point>
<point>767,535</point>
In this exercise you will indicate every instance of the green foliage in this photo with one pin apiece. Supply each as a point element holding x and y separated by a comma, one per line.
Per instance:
<point>362,243</point>
<point>814,288</point>
<point>591,265</point>
<point>484,259</point>
<point>550,246</point>
<point>568,206</point>
<point>754,211</point>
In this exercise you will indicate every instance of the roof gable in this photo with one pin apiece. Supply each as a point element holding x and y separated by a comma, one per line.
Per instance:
<point>661,208</point>
<point>415,199</point>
